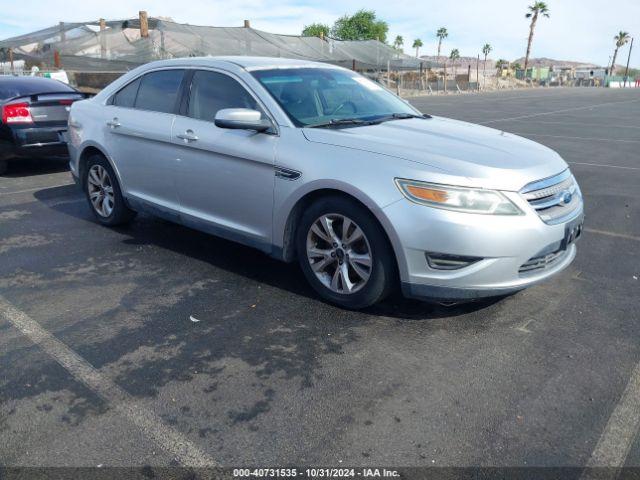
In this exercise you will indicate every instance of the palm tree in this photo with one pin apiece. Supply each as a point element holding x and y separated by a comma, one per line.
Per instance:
<point>621,39</point>
<point>441,34</point>
<point>486,50</point>
<point>417,43</point>
<point>398,42</point>
<point>535,10</point>
<point>455,55</point>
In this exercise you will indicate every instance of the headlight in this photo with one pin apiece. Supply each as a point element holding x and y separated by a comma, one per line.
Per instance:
<point>470,200</point>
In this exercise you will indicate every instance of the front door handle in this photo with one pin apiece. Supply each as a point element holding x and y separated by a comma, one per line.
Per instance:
<point>188,136</point>
<point>114,123</point>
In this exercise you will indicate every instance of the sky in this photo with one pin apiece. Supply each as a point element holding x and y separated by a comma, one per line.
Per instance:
<point>579,30</point>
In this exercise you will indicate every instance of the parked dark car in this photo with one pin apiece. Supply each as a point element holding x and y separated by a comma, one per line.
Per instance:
<point>34,118</point>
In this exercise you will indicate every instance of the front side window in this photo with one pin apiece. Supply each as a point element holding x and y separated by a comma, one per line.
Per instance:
<point>158,91</point>
<point>312,96</point>
<point>212,91</point>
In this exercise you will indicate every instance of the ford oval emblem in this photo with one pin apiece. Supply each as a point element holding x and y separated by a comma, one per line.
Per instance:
<point>566,198</point>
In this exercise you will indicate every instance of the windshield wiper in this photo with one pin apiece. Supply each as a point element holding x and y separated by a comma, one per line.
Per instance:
<point>400,116</point>
<point>340,122</point>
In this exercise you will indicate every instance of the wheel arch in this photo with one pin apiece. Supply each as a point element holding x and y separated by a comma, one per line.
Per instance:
<point>93,149</point>
<point>288,250</point>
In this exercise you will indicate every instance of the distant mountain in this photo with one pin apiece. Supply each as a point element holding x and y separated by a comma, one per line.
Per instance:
<point>550,62</point>
<point>533,62</point>
<point>461,62</point>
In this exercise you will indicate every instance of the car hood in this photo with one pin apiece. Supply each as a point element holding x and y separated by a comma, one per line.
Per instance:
<point>487,157</point>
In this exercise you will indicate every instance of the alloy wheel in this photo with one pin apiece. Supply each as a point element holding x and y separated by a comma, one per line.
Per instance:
<point>339,253</point>
<point>100,188</point>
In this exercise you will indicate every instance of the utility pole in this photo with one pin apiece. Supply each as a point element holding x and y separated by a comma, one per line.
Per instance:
<point>478,73</point>
<point>247,43</point>
<point>144,24</point>
<point>626,71</point>
<point>103,40</point>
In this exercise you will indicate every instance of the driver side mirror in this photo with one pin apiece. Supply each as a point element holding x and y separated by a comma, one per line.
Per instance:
<point>242,119</point>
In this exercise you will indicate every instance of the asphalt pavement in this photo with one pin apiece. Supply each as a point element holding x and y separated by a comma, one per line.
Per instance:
<point>154,344</point>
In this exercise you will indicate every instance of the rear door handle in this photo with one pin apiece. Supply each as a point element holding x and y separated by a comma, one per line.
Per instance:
<point>114,123</point>
<point>188,136</point>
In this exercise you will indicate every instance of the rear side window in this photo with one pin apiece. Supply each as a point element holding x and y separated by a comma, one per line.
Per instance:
<point>211,91</point>
<point>127,96</point>
<point>158,91</point>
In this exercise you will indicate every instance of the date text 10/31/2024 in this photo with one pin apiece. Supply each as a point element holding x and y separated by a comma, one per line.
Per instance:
<point>315,472</point>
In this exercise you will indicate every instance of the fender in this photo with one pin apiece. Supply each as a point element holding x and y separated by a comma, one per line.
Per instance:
<point>93,144</point>
<point>282,216</point>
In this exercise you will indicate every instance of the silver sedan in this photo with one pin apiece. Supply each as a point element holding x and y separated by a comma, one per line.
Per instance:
<point>316,163</point>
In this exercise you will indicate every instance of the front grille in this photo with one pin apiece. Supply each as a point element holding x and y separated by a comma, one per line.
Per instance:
<point>542,262</point>
<point>554,199</point>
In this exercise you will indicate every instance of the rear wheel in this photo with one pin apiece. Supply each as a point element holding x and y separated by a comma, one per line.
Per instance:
<point>3,166</point>
<point>344,253</point>
<point>103,193</point>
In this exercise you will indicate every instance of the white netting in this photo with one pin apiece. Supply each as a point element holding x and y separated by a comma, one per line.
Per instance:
<point>120,47</point>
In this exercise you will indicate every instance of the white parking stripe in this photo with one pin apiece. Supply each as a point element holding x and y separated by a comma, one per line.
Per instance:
<point>612,234</point>
<point>587,107</point>
<point>603,165</point>
<point>618,436</point>
<point>35,189</point>
<point>596,139</point>
<point>172,441</point>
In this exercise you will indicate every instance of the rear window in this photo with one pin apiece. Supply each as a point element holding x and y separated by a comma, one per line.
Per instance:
<point>158,91</point>
<point>24,86</point>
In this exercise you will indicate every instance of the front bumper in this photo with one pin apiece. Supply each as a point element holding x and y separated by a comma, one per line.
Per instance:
<point>505,245</point>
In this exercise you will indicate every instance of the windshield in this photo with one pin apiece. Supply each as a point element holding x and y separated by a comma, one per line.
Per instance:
<point>314,96</point>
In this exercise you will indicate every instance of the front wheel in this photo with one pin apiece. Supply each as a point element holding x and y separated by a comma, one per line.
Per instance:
<point>3,166</point>
<point>344,253</point>
<point>103,193</point>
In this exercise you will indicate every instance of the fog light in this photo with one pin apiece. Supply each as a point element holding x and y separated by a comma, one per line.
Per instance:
<point>444,261</point>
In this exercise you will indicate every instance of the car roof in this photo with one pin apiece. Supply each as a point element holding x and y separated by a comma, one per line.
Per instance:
<point>245,62</point>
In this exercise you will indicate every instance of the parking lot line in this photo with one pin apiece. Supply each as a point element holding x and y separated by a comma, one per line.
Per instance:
<point>612,234</point>
<point>603,165</point>
<point>580,124</point>
<point>35,189</point>
<point>618,436</point>
<point>172,441</point>
<point>576,138</point>
<point>573,109</point>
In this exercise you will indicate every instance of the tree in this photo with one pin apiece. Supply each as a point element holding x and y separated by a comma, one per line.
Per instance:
<point>316,30</point>
<point>455,55</point>
<point>398,42</point>
<point>502,64</point>
<point>362,25</point>
<point>486,50</point>
<point>535,10</point>
<point>621,39</point>
<point>441,34</point>
<point>417,43</point>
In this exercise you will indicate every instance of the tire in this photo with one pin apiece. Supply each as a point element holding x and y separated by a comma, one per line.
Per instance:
<point>325,265</point>
<point>3,166</point>
<point>103,193</point>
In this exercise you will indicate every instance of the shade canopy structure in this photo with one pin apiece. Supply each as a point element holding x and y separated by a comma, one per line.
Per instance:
<point>120,45</point>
